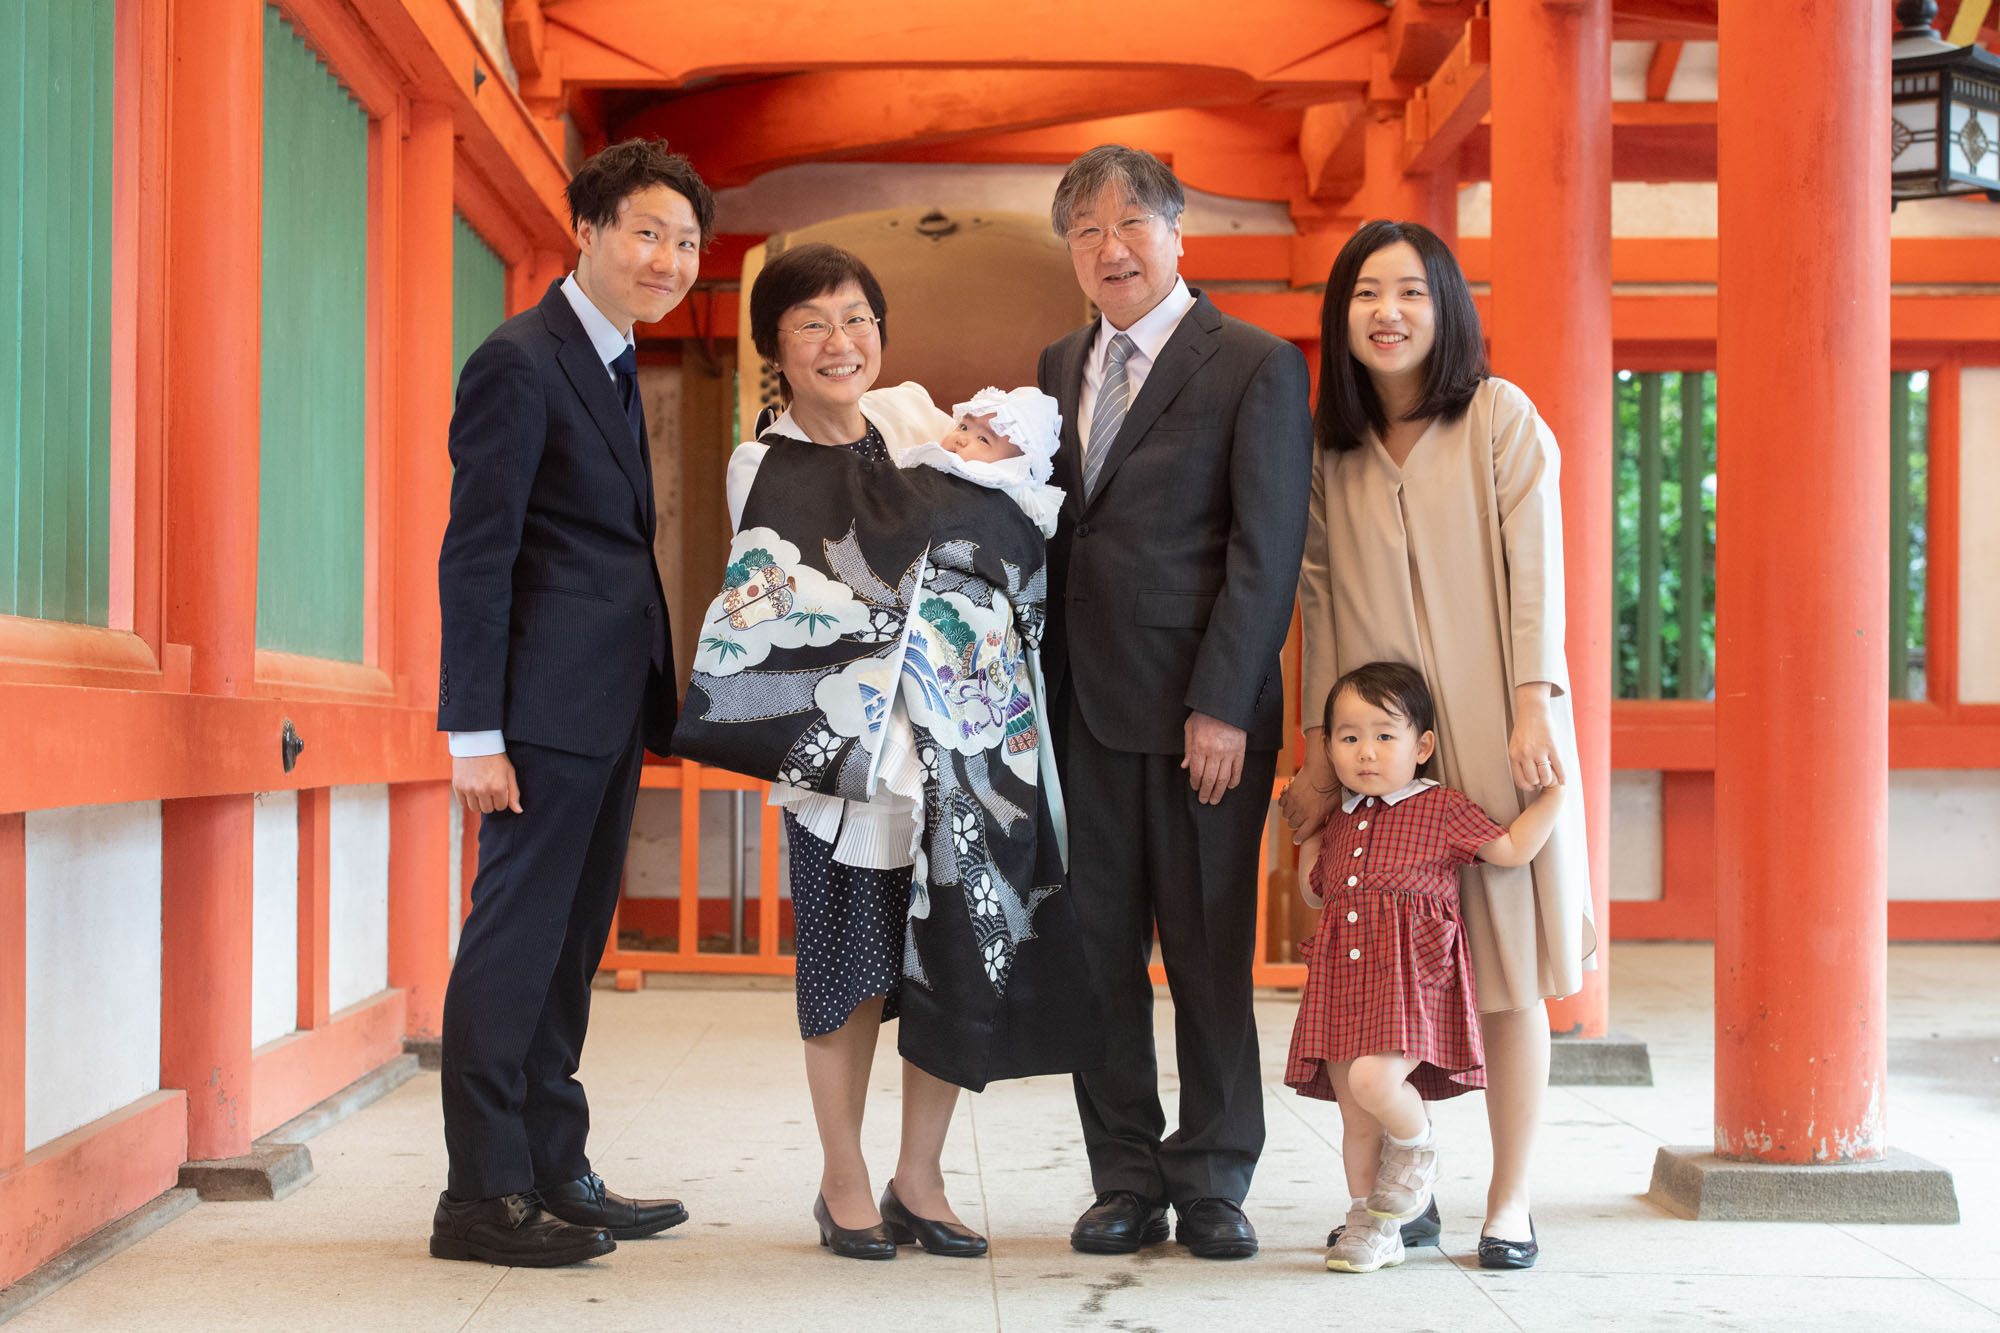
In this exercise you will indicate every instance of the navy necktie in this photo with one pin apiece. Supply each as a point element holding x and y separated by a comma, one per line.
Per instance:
<point>625,366</point>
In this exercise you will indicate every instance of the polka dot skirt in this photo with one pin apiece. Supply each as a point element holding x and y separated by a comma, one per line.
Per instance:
<point>850,932</point>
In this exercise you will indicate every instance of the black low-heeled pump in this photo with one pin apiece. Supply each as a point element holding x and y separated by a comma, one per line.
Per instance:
<point>1497,1253</point>
<point>858,1243</point>
<point>946,1238</point>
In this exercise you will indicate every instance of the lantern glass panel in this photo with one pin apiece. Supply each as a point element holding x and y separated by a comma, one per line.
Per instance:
<point>1913,138</point>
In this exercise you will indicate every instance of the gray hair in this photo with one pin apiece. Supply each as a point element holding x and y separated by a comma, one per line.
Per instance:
<point>1152,186</point>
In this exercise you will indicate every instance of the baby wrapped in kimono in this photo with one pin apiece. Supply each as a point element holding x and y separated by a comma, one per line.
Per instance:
<point>886,644</point>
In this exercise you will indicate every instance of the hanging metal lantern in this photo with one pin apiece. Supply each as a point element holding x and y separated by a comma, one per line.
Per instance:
<point>1945,101</point>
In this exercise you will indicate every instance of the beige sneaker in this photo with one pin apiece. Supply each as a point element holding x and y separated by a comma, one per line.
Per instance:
<point>1403,1181</point>
<point>1366,1243</point>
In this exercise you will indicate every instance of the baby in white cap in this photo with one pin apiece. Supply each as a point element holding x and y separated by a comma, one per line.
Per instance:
<point>1006,441</point>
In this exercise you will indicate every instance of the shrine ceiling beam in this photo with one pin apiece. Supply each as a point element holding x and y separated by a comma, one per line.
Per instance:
<point>736,133</point>
<point>640,43</point>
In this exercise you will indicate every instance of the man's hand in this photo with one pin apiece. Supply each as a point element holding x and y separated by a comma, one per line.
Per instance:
<point>1311,793</point>
<point>1214,758</point>
<point>485,783</point>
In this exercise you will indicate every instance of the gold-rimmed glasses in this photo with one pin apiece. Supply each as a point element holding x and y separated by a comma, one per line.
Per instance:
<point>856,327</point>
<point>1127,230</point>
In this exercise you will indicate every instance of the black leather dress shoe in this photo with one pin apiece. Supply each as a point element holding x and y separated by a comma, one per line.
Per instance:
<point>947,1238</point>
<point>1215,1229</point>
<point>512,1230</point>
<point>853,1243</point>
<point>1497,1253</point>
<point>1119,1223</point>
<point>1423,1229</point>
<point>587,1203</point>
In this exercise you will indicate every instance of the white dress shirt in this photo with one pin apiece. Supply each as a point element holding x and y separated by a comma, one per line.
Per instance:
<point>609,345</point>
<point>1149,334</point>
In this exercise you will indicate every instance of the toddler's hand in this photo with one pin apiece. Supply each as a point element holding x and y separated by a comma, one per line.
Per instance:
<point>1309,857</point>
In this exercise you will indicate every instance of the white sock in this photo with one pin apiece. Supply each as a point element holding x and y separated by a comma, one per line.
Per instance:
<point>1352,1204</point>
<point>1422,1140</point>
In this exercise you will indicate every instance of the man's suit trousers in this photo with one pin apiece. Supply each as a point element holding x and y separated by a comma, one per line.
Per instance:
<point>1145,854</point>
<point>519,1000</point>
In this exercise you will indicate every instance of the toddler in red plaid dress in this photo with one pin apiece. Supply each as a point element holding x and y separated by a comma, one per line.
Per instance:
<point>1388,1019</point>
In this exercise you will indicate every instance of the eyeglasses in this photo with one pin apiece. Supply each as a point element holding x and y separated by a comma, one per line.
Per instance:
<point>1126,230</point>
<point>856,327</point>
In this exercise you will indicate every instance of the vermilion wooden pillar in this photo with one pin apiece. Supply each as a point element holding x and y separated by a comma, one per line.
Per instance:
<point>1551,335</point>
<point>420,848</point>
<point>213,175</point>
<point>1801,682</point>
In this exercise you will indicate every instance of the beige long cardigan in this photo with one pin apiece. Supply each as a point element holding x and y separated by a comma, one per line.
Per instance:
<point>1453,563</point>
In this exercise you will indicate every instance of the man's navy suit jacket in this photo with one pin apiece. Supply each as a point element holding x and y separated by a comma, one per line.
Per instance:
<point>554,620</point>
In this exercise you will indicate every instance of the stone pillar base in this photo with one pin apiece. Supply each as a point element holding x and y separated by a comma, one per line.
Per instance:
<point>1693,1182</point>
<point>1610,1060</point>
<point>268,1171</point>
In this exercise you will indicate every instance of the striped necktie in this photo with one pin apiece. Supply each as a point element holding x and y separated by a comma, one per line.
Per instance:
<point>1113,397</point>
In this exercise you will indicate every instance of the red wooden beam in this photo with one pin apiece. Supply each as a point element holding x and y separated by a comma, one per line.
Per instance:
<point>639,43</point>
<point>736,133</point>
<point>1660,70</point>
<point>1455,100</point>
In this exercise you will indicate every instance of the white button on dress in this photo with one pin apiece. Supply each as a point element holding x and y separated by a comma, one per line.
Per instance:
<point>1353,880</point>
<point>1352,954</point>
<point>1362,824</point>
<point>1357,851</point>
<point>1354,916</point>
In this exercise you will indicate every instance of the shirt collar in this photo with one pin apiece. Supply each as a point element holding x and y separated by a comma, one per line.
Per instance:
<point>1149,332</point>
<point>1355,798</point>
<point>605,338</point>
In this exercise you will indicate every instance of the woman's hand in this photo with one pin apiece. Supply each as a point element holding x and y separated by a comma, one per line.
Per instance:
<point>1531,749</point>
<point>1310,793</point>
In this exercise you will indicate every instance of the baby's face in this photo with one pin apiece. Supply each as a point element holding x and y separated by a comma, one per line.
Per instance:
<point>975,440</point>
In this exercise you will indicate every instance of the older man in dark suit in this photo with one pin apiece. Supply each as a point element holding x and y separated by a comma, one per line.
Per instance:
<point>557,674</point>
<point>1187,459</point>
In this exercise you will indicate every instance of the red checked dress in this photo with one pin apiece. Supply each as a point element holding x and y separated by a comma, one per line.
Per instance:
<point>1389,970</point>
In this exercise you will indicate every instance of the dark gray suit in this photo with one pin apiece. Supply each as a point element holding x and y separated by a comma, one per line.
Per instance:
<point>1171,591</point>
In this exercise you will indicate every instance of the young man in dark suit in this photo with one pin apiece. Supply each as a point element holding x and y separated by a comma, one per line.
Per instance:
<point>557,675</point>
<point>1187,461</point>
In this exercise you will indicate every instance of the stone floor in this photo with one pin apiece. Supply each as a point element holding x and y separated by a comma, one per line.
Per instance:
<point>698,1091</point>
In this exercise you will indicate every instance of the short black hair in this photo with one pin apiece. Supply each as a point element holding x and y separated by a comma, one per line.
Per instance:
<point>1348,405</point>
<point>611,175</point>
<point>1148,180</point>
<point>802,273</point>
<point>1392,685</point>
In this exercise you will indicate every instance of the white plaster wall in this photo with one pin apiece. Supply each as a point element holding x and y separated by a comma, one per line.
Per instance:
<point>1636,875</point>
<point>358,910</point>
<point>794,197</point>
<point>1944,834</point>
<point>93,963</point>
<point>1979,535</point>
<point>457,871</point>
<point>488,19</point>
<point>274,949</point>
<point>1694,73</point>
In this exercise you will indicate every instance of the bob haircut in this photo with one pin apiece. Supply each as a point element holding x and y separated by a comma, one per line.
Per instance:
<point>613,174</point>
<point>1348,405</point>
<point>801,274</point>
<point>1392,685</point>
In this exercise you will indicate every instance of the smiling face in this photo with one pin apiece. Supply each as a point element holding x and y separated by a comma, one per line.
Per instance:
<point>1375,750</point>
<point>977,441</point>
<point>1391,324</point>
<point>836,372</point>
<point>638,267</point>
<point>1125,278</point>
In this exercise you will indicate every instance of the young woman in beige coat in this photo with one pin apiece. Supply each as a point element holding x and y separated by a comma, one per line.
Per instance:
<point>1436,539</point>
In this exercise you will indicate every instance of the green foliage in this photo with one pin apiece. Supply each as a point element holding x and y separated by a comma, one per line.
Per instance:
<point>1691,499</point>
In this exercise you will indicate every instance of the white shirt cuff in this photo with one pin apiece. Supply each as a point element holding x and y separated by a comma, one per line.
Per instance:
<point>472,744</point>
